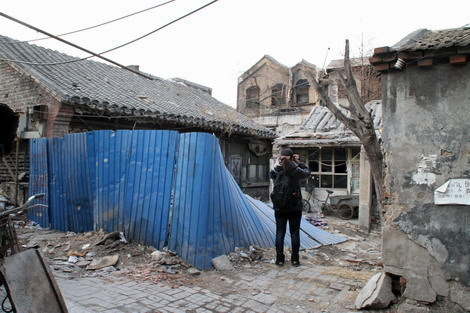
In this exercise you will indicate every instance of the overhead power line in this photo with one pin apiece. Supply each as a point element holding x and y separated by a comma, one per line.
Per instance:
<point>92,54</point>
<point>71,44</point>
<point>104,23</point>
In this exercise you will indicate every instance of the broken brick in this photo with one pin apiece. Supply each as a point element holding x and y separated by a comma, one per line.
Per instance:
<point>382,67</point>
<point>458,59</point>
<point>426,62</point>
<point>381,50</point>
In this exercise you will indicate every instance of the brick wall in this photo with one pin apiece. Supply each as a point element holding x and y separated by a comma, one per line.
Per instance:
<point>20,92</point>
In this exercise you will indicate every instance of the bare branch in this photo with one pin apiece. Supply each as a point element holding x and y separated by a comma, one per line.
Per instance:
<point>329,104</point>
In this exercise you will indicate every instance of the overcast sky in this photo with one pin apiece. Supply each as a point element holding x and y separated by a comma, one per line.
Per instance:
<point>215,46</point>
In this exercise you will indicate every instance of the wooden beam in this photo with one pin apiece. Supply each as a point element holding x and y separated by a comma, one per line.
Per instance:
<point>7,165</point>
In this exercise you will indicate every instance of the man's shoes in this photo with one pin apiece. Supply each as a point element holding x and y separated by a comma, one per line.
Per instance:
<point>279,263</point>
<point>295,263</point>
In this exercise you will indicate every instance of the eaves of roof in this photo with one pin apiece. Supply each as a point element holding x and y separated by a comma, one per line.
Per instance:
<point>425,48</point>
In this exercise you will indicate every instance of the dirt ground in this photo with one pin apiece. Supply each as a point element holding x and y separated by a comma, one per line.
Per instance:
<point>70,254</point>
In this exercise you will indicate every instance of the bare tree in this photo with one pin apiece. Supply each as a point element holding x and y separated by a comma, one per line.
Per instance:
<point>360,122</point>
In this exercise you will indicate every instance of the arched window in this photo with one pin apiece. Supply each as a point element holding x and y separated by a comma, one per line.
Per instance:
<point>301,91</point>
<point>252,97</point>
<point>278,94</point>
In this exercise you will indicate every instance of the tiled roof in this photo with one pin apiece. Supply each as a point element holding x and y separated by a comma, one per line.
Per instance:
<point>439,39</point>
<point>336,64</point>
<point>113,90</point>
<point>323,127</point>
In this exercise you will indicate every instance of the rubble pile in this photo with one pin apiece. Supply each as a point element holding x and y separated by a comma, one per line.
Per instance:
<point>93,254</point>
<point>253,254</point>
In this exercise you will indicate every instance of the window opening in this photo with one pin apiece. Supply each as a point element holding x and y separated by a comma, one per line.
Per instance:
<point>301,91</point>
<point>329,167</point>
<point>252,97</point>
<point>278,94</point>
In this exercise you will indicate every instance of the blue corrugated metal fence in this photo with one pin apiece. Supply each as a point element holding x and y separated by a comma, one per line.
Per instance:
<point>143,182</point>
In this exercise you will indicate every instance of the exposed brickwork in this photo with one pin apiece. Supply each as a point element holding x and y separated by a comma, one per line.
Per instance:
<point>382,67</point>
<point>381,50</point>
<point>425,62</point>
<point>368,82</point>
<point>20,92</point>
<point>411,55</point>
<point>457,59</point>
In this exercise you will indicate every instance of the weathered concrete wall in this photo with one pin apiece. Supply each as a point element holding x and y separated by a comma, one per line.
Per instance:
<point>426,139</point>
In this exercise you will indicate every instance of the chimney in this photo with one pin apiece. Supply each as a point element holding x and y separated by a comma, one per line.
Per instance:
<point>134,67</point>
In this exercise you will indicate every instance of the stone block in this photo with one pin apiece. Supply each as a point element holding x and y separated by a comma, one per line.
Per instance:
<point>404,257</point>
<point>222,263</point>
<point>376,294</point>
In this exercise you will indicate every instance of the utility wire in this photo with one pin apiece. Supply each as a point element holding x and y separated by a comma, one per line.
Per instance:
<point>71,44</point>
<point>95,26</point>
<point>99,55</point>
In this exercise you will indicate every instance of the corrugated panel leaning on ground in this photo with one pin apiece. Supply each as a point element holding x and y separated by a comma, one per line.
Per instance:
<point>125,180</point>
<point>210,215</point>
<point>310,236</point>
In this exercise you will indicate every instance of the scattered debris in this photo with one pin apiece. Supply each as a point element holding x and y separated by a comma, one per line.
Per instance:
<point>74,253</point>
<point>103,262</point>
<point>163,258</point>
<point>72,259</point>
<point>376,294</point>
<point>194,271</point>
<point>85,246</point>
<point>222,263</point>
<point>315,222</point>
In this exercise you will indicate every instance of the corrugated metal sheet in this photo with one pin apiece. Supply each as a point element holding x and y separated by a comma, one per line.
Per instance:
<point>310,236</point>
<point>139,182</point>
<point>150,174</point>
<point>210,215</point>
<point>132,175</point>
<point>59,215</point>
<point>38,181</point>
<point>76,180</point>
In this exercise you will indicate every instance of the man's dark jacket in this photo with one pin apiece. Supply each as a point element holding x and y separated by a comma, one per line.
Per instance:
<point>300,172</point>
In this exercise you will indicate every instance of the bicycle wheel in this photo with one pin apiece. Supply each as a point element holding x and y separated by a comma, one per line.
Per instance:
<point>345,212</point>
<point>327,209</point>
<point>306,206</point>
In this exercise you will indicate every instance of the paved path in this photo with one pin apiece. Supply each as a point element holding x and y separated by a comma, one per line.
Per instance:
<point>266,289</point>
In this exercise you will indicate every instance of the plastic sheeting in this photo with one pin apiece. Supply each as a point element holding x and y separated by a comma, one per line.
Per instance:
<point>159,187</point>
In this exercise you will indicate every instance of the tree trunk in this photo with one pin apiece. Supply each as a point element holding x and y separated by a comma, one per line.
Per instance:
<point>360,123</point>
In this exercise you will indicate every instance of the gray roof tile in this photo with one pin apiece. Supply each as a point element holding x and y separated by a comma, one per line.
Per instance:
<point>115,90</point>
<point>439,39</point>
<point>321,126</point>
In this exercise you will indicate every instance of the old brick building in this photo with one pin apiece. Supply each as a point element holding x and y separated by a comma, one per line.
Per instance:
<point>55,94</point>
<point>277,96</point>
